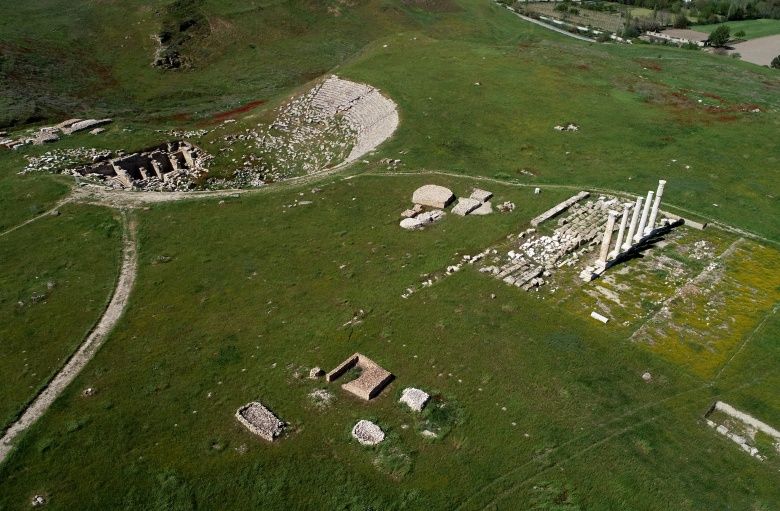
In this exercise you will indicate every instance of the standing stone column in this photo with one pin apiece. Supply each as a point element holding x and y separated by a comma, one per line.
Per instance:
<point>654,214</point>
<point>633,225</point>
<point>607,237</point>
<point>643,221</point>
<point>621,230</point>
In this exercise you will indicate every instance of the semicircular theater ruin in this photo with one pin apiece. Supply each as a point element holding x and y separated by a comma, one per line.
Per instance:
<point>372,116</point>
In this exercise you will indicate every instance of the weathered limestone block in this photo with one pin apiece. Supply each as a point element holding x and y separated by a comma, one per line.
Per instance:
<point>465,206</point>
<point>485,208</point>
<point>411,224</point>
<point>481,195</point>
<point>434,196</point>
<point>88,124</point>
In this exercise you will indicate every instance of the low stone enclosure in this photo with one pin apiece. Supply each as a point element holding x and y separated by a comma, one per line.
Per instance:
<point>744,430</point>
<point>372,380</point>
<point>171,166</point>
<point>260,420</point>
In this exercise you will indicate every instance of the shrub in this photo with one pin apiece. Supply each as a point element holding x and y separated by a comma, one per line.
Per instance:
<point>776,62</point>
<point>741,33</point>
<point>720,36</point>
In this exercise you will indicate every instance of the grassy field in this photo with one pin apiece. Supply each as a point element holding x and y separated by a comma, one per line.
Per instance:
<point>753,28</point>
<point>58,274</point>
<point>539,406</point>
<point>541,411</point>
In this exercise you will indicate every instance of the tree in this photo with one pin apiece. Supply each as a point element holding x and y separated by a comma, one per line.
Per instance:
<point>720,36</point>
<point>776,62</point>
<point>681,21</point>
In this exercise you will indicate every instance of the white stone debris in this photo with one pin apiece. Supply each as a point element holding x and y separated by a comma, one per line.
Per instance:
<point>367,433</point>
<point>506,207</point>
<point>260,420</point>
<point>647,377</point>
<point>321,397</point>
<point>569,127</point>
<point>433,196</point>
<point>38,501</point>
<point>595,315</point>
<point>416,399</point>
<point>316,372</point>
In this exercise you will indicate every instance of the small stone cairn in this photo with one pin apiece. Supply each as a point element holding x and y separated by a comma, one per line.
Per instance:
<point>367,433</point>
<point>415,399</point>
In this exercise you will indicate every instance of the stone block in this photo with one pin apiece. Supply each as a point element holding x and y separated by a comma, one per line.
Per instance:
<point>465,206</point>
<point>434,196</point>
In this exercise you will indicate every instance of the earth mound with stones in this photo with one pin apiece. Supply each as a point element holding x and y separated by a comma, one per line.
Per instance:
<point>336,122</point>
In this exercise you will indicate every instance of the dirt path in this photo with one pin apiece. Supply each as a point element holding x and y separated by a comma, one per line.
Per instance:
<point>89,347</point>
<point>33,219</point>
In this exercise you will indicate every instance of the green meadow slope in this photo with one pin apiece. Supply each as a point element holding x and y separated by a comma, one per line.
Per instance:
<point>539,406</point>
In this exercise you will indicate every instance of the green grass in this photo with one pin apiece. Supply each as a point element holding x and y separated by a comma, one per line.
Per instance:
<point>221,324</point>
<point>234,297</point>
<point>753,28</point>
<point>58,274</point>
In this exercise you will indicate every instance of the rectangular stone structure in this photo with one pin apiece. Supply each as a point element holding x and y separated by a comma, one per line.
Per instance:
<point>371,381</point>
<point>559,208</point>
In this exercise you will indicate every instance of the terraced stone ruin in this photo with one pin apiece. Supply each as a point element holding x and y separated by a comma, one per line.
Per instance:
<point>173,166</point>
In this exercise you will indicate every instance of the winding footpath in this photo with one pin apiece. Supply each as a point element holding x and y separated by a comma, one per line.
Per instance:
<point>89,347</point>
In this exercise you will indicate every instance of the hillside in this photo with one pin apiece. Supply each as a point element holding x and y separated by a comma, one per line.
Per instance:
<point>297,132</point>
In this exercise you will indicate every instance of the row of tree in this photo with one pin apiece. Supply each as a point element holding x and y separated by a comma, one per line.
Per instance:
<point>714,10</point>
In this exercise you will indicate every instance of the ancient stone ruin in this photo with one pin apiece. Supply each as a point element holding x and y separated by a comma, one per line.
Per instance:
<point>169,167</point>
<point>49,134</point>
<point>741,428</point>
<point>439,197</point>
<point>371,381</point>
<point>641,231</point>
<point>433,196</point>
<point>367,433</point>
<point>260,420</point>
<point>415,399</point>
<point>336,122</point>
<point>586,224</point>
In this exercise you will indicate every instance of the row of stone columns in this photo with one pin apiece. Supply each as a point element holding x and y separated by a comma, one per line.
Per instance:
<point>638,228</point>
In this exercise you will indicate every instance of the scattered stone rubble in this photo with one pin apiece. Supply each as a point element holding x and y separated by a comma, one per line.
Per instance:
<point>337,121</point>
<point>746,425</point>
<point>61,160</point>
<point>367,433</point>
<point>415,399</point>
<point>537,256</point>
<point>260,420</point>
<point>49,134</point>
<point>568,127</point>
<point>174,166</point>
<point>372,380</point>
<point>464,206</point>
